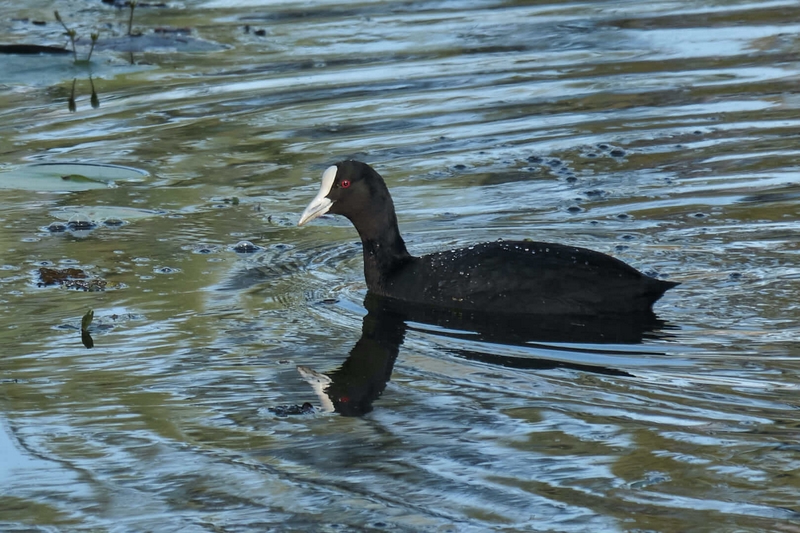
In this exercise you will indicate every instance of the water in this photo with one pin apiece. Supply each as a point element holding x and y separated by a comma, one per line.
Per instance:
<point>663,133</point>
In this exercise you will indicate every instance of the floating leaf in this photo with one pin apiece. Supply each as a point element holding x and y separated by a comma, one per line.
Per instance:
<point>68,176</point>
<point>76,177</point>
<point>71,278</point>
<point>59,276</point>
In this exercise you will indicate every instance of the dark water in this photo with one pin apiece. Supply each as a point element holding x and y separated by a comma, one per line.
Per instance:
<point>664,133</point>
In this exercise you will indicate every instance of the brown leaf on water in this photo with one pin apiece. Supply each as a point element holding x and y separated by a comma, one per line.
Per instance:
<point>71,278</point>
<point>59,276</point>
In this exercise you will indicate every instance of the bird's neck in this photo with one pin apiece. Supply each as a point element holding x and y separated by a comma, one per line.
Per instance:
<point>384,252</point>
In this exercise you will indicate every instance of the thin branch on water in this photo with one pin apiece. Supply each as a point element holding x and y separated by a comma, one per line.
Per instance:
<point>132,5</point>
<point>94,36</point>
<point>70,33</point>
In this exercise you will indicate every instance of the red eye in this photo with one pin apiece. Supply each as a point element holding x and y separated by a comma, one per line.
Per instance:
<point>344,184</point>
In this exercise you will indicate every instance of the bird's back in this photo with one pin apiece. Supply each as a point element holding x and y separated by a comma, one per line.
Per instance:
<point>525,277</point>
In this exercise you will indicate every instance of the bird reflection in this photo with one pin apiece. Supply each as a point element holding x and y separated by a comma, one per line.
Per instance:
<point>351,389</point>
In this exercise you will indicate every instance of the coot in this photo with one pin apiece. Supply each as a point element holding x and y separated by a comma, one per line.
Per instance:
<point>518,277</point>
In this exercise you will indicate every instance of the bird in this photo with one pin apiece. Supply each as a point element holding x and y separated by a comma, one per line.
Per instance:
<point>501,277</point>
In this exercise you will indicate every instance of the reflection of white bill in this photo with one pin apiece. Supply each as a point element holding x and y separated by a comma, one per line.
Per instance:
<point>319,382</point>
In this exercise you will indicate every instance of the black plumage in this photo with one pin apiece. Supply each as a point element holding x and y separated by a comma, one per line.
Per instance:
<point>517,277</point>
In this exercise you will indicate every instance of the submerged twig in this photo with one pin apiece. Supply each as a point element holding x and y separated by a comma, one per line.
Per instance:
<point>94,36</point>
<point>70,32</point>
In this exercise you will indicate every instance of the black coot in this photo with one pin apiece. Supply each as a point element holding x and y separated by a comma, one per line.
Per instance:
<point>518,277</point>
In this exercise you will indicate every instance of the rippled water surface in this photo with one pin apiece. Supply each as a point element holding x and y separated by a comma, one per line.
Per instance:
<point>664,133</point>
